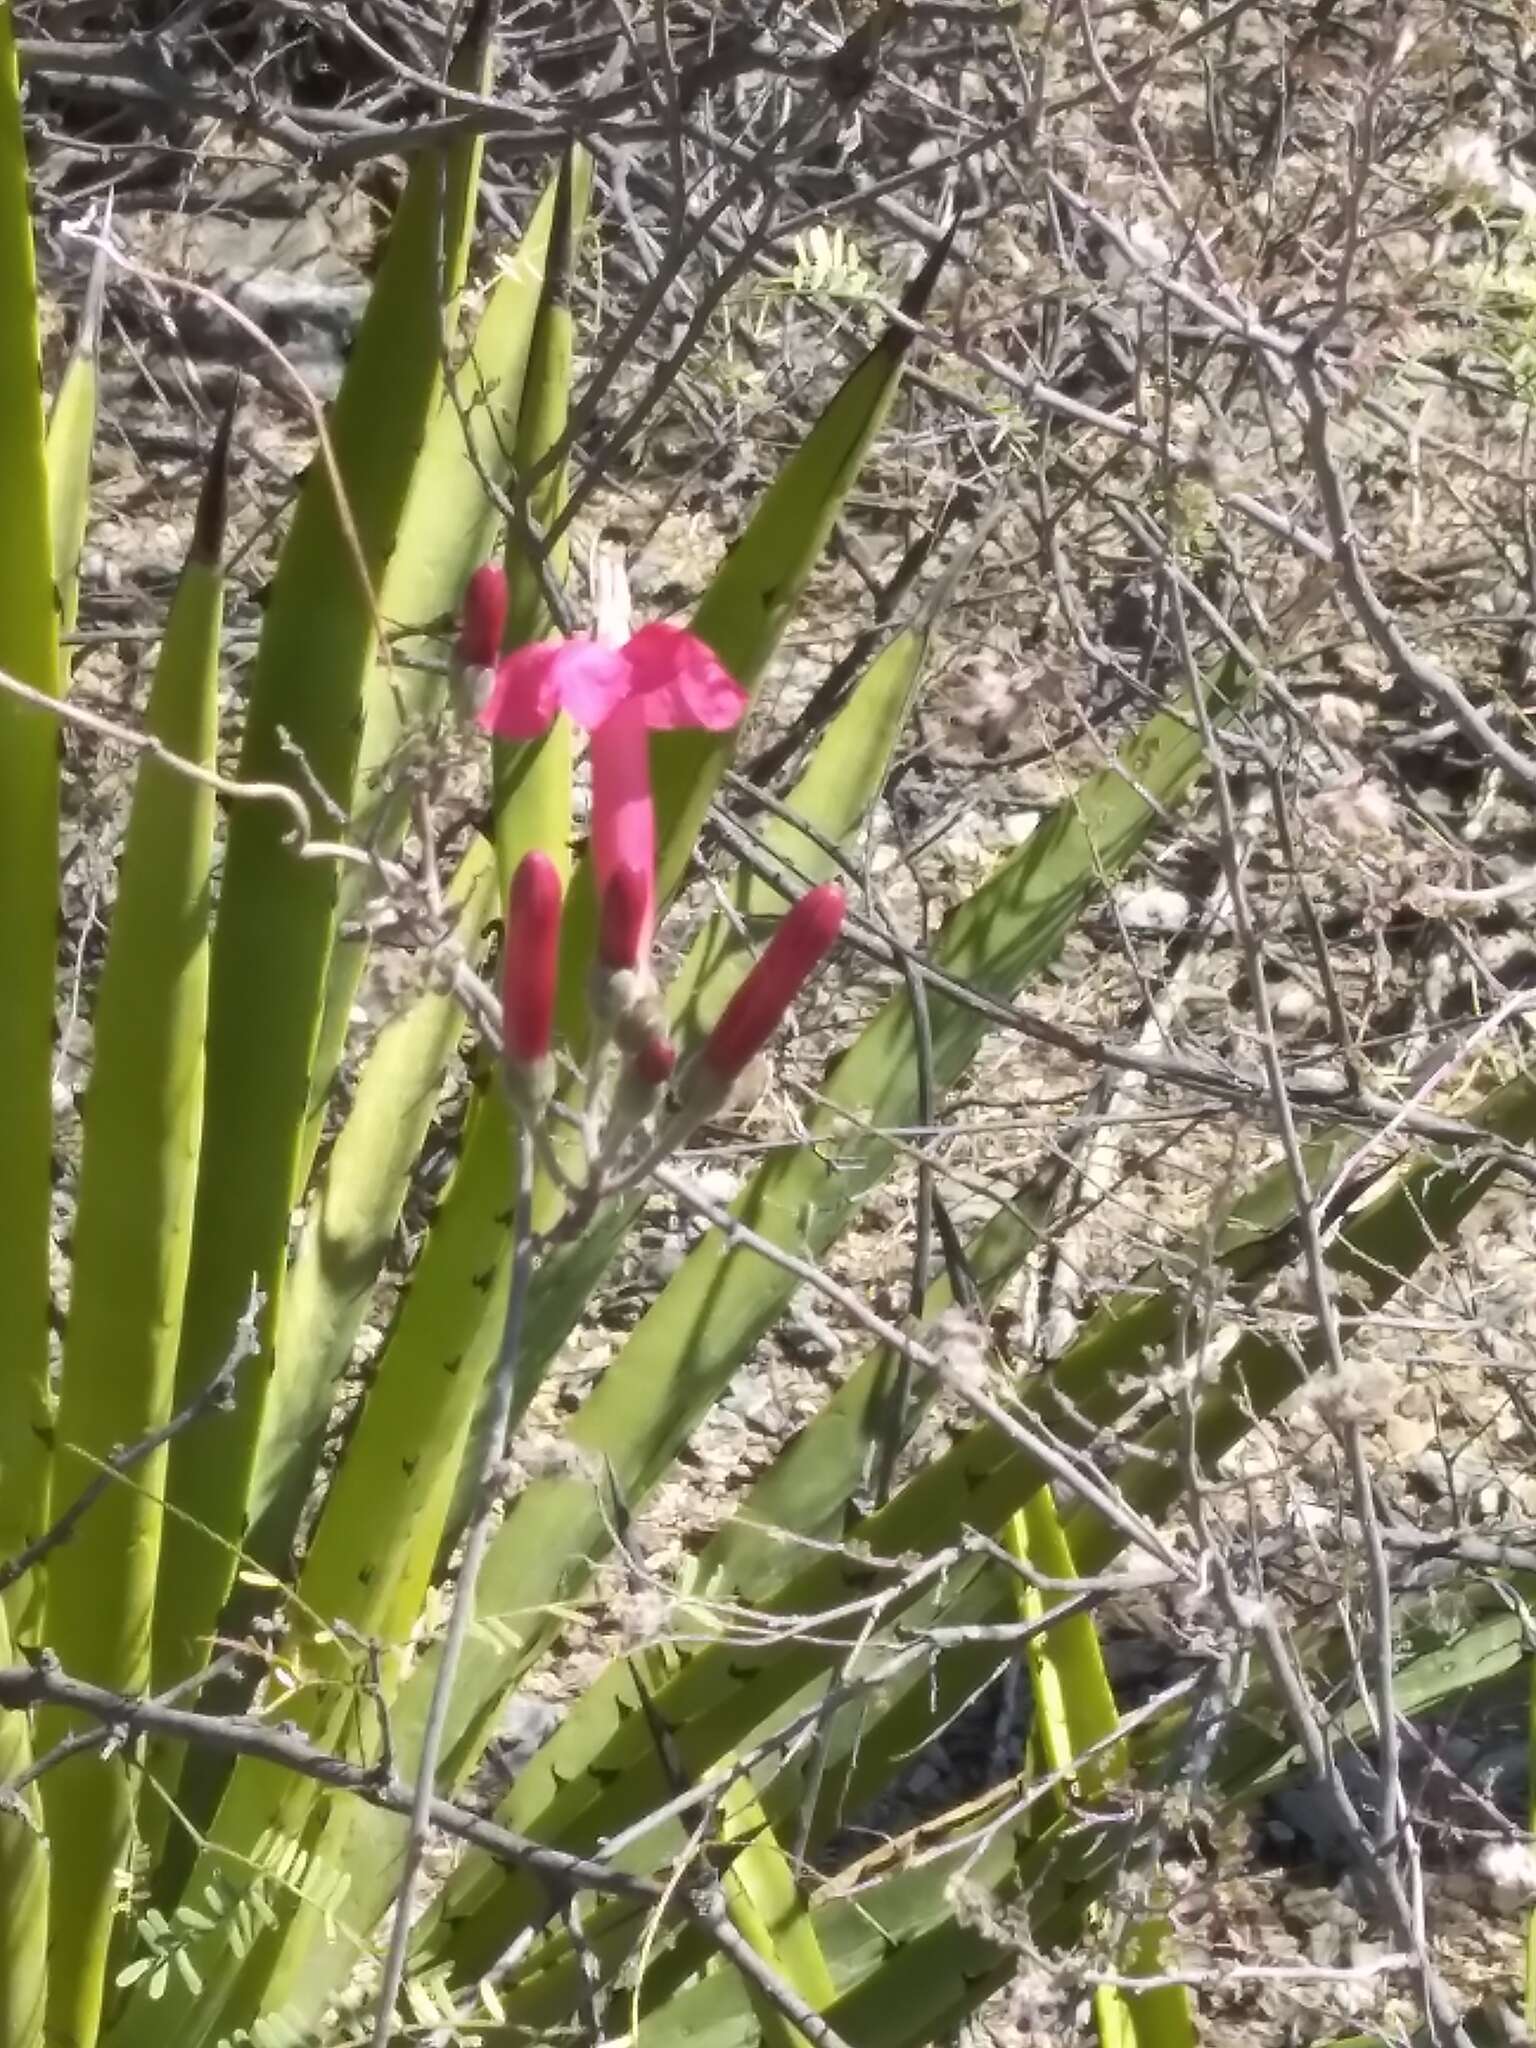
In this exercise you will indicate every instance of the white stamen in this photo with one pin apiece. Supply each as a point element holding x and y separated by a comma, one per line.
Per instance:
<point>611,613</point>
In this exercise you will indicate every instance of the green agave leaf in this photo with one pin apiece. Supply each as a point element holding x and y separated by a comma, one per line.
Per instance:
<point>767,1908</point>
<point>351,1219</point>
<point>540,425</point>
<point>722,1299</point>
<point>531,783</point>
<point>1076,1716</point>
<point>29,744</point>
<point>448,529</point>
<point>143,1115</point>
<point>23,1885</point>
<point>1075,1709</point>
<point>753,595</point>
<point>70,448</point>
<point>277,914</point>
<point>545,411</point>
<point>368,1566</point>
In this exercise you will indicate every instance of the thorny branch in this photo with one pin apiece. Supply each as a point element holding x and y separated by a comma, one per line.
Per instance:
<point>122,1717</point>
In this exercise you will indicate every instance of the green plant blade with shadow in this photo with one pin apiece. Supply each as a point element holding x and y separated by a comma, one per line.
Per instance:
<point>143,1116</point>
<point>276,917</point>
<point>29,795</point>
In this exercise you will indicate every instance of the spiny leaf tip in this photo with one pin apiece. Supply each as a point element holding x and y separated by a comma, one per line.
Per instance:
<point>213,502</point>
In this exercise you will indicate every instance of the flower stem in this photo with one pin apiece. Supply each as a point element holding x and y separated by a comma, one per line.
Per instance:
<point>476,1542</point>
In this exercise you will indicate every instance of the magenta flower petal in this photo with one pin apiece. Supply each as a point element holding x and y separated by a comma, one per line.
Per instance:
<point>524,697</point>
<point>590,680</point>
<point>681,681</point>
<point>751,1017</point>
<point>623,815</point>
<point>530,959</point>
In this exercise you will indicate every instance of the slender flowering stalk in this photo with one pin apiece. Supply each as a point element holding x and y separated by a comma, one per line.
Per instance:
<point>642,1081</point>
<point>750,1018</point>
<point>530,964</point>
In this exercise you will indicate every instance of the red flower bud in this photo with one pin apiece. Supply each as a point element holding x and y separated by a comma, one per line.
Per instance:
<point>753,1013</point>
<point>652,1065</point>
<point>625,913</point>
<point>530,960</point>
<point>485,617</point>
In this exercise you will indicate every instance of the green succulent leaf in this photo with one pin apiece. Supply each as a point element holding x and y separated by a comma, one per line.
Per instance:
<point>23,1884</point>
<point>70,449</point>
<point>143,1116</point>
<point>29,747</point>
<point>351,1219</point>
<point>277,913</point>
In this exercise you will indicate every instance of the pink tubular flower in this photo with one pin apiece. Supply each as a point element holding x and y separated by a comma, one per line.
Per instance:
<point>621,686</point>
<point>530,961</point>
<point>753,1014</point>
<point>623,814</point>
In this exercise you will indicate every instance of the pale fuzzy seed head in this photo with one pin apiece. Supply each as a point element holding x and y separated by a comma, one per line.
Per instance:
<point>963,1348</point>
<point>1472,166</point>
<point>548,1455</point>
<point>1248,1614</point>
<point>1341,718</point>
<point>1510,1869</point>
<point>1367,1391</point>
<point>647,1617</point>
<point>1356,810</point>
